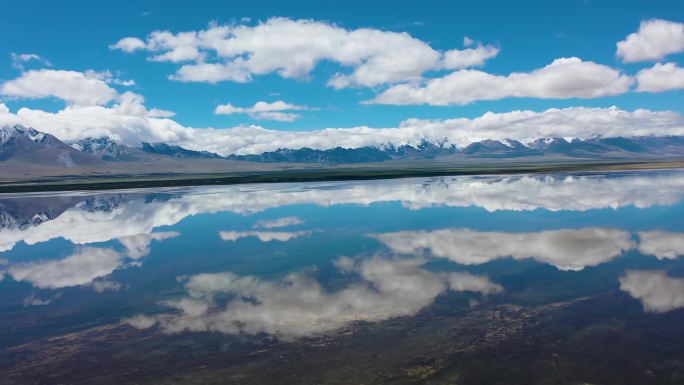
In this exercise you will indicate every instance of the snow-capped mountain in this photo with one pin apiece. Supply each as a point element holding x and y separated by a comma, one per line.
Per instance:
<point>8,133</point>
<point>103,148</point>
<point>27,144</point>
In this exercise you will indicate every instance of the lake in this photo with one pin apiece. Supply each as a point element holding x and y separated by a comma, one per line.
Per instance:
<point>529,279</point>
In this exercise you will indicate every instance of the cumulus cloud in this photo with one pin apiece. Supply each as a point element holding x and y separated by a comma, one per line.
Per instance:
<point>655,39</point>
<point>263,236</point>
<point>277,223</point>
<point>660,77</point>
<point>657,292</point>
<point>130,122</point>
<point>128,44</point>
<point>564,249</point>
<point>293,48</point>
<point>469,57</point>
<point>76,88</point>
<point>299,306</point>
<point>264,110</point>
<point>21,59</point>
<point>562,79</point>
<point>662,244</point>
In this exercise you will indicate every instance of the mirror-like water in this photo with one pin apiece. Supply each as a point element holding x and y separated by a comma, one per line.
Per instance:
<point>551,279</point>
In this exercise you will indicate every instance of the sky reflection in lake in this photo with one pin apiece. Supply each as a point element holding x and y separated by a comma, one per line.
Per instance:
<point>271,268</point>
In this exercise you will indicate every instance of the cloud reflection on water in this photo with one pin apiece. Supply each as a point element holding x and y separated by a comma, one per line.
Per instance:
<point>86,264</point>
<point>564,249</point>
<point>299,306</point>
<point>657,292</point>
<point>133,215</point>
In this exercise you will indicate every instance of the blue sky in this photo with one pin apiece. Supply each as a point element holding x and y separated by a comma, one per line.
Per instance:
<point>78,36</point>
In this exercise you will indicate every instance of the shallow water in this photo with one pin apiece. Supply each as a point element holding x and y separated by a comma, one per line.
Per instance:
<point>545,279</point>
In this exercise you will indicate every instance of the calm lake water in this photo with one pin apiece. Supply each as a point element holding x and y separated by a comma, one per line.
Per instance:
<point>537,279</point>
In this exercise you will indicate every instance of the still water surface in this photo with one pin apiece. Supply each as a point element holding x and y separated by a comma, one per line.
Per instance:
<point>544,279</point>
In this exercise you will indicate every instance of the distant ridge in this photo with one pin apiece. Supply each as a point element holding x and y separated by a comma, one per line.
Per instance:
<point>177,151</point>
<point>20,143</point>
<point>348,155</point>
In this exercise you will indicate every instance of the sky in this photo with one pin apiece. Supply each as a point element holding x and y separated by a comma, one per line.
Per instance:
<point>248,77</point>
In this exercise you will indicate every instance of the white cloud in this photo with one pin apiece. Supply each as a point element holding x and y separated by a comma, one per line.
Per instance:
<point>140,322</point>
<point>80,268</point>
<point>128,44</point>
<point>131,123</point>
<point>658,292</point>
<point>32,300</point>
<point>107,77</point>
<point>159,113</point>
<point>101,286</point>
<point>277,223</point>
<point>87,264</point>
<point>562,79</point>
<point>660,77</point>
<point>474,283</point>
<point>264,110</point>
<point>293,48</point>
<point>177,47</point>
<point>263,236</point>
<point>212,73</point>
<point>564,249</point>
<point>469,57</point>
<point>76,88</point>
<point>662,244</point>
<point>655,39</point>
<point>138,246</point>
<point>19,60</point>
<point>298,306</point>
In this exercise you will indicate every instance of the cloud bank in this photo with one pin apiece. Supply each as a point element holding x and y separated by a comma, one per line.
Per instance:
<point>562,79</point>
<point>130,122</point>
<point>564,249</point>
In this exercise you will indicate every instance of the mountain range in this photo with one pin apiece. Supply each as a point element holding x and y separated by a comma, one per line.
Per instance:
<point>22,144</point>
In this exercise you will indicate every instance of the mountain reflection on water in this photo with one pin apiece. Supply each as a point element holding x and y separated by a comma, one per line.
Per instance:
<point>413,280</point>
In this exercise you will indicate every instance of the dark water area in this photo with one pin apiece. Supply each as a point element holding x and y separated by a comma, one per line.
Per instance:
<point>527,279</point>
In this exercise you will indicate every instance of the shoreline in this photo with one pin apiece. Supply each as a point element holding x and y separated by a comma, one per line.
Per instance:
<point>361,172</point>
